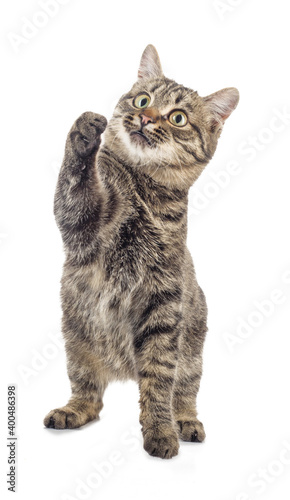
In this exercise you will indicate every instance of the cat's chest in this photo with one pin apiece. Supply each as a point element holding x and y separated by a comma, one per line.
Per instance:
<point>97,300</point>
<point>138,244</point>
<point>106,289</point>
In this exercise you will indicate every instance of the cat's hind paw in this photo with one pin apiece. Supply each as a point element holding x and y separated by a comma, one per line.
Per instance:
<point>191,430</point>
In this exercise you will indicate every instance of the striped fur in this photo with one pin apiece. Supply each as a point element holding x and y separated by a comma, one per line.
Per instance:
<point>132,308</point>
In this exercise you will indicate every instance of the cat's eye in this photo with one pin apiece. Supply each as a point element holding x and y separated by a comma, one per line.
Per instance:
<point>142,101</point>
<point>178,118</point>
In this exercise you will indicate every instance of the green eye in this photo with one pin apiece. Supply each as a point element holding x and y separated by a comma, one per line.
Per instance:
<point>142,101</point>
<point>178,118</point>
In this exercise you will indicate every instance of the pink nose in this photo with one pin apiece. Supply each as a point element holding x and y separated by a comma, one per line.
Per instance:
<point>146,119</point>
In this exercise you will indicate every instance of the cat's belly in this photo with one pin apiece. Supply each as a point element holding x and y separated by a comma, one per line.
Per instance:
<point>100,311</point>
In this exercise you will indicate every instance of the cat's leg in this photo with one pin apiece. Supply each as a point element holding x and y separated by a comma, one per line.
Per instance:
<point>88,379</point>
<point>189,369</point>
<point>81,201</point>
<point>185,391</point>
<point>156,350</point>
<point>79,206</point>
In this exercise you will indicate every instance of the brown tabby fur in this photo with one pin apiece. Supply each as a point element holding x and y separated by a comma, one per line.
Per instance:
<point>132,308</point>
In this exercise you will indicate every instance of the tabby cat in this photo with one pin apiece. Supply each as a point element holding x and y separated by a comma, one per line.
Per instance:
<point>132,308</point>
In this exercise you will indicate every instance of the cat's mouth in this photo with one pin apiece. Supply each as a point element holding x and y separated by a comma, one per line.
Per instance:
<point>138,137</point>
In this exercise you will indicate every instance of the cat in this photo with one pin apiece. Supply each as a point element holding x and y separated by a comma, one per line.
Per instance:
<point>132,308</point>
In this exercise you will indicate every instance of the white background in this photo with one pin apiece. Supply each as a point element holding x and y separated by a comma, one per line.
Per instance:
<point>83,58</point>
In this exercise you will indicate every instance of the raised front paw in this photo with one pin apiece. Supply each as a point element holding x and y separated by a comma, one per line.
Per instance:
<point>85,134</point>
<point>191,430</point>
<point>163,444</point>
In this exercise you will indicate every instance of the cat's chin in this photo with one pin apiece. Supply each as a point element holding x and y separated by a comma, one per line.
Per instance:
<point>131,146</point>
<point>140,139</point>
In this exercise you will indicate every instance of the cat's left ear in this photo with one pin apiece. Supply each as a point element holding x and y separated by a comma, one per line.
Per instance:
<point>150,66</point>
<point>221,104</point>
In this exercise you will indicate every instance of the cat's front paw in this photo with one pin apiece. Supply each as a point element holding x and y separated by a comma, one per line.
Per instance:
<point>191,430</point>
<point>85,135</point>
<point>65,418</point>
<point>161,444</point>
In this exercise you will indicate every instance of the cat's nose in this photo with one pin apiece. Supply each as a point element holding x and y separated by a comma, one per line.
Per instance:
<point>150,115</point>
<point>146,119</point>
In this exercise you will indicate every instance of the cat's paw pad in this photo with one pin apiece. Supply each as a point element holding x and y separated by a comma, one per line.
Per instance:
<point>191,430</point>
<point>161,445</point>
<point>62,418</point>
<point>85,134</point>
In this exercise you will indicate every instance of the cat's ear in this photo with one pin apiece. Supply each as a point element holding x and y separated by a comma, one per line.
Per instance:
<point>150,66</point>
<point>221,104</point>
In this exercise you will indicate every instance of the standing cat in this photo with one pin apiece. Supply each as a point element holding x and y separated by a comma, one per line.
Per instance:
<point>132,308</point>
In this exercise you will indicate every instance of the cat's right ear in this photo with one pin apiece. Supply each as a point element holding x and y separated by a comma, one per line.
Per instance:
<point>150,66</point>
